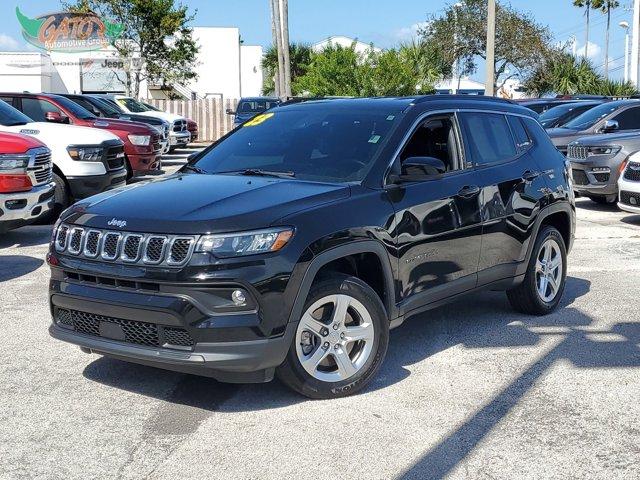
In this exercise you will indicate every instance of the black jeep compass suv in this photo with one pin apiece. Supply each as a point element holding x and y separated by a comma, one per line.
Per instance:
<point>292,245</point>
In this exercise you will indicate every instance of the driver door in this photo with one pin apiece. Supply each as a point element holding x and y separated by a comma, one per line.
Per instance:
<point>438,228</point>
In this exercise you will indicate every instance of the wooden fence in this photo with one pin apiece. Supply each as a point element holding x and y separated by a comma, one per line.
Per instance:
<point>210,114</point>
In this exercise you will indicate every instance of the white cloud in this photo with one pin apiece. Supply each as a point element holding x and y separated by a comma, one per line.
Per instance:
<point>8,43</point>
<point>593,53</point>
<point>407,33</point>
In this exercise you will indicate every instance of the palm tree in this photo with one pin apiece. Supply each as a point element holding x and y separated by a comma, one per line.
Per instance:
<point>605,6</point>
<point>586,4</point>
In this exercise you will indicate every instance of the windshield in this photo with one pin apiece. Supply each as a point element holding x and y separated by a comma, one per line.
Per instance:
<point>9,116</point>
<point>132,105</point>
<point>591,117</point>
<point>319,143</point>
<point>105,107</point>
<point>77,110</point>
<point>256,106</point>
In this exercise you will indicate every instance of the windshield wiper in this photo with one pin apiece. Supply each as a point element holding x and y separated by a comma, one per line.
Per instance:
<point>262,173</point>
<point>195,169</point>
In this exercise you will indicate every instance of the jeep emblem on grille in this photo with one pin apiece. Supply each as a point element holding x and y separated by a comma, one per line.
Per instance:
<point>114,222</point>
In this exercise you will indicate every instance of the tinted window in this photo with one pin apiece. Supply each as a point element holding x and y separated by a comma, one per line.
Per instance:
<point>87,105</point>
<point>628,119</point>
<point>589,118</point>
<point>36,109</point>
<point>74,108</point>
<point>520,135</point>
<point>489,137</point>
<point>255,106</point>
<point>319,143</point>
<point>132,105</point>
<point>10,116</point>
<point>434,138</point>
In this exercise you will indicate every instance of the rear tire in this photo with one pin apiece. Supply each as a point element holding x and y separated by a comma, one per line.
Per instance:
<point>544,282</point>
<point>339,349</point>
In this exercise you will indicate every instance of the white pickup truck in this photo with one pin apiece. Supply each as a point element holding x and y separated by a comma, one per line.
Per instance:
<point>179,135</point>
<point>86,161</point>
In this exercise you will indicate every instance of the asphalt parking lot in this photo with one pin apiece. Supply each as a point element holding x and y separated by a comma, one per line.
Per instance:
<point>471,390</point>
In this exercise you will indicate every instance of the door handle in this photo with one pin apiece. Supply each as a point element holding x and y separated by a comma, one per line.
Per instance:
<point>530,175</point>
<point>469,191</point>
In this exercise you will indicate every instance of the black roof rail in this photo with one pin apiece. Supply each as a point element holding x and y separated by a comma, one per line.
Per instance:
<point>477,98</point>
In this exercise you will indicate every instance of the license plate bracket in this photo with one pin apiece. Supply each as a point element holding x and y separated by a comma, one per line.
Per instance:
<point>112,330</point>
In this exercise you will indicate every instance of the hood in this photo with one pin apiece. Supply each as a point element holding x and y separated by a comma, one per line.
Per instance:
<point>11,143</point>
<point>609,138</point>
<point>125,125</point>
<point>199,204</point>
<point>56,133</point>
<point>169,117</point>
<point>563,136</point>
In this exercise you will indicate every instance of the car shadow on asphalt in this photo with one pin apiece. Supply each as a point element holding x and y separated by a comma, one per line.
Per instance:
<point>631,220</point>
<point>30,236</point>
<point>16,266</point>
<point>597,207</point>
<point>483,320</point>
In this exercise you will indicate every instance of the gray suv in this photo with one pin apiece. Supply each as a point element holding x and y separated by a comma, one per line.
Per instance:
<point>597,162</point>
<point>610,117</point>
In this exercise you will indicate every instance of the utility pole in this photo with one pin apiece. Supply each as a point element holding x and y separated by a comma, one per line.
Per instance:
<point>625,26</point>
<point>635,43</point>
<point>455,80</point>
<point>274,35</point>
<point>489,86</point>
<point>284,20</point>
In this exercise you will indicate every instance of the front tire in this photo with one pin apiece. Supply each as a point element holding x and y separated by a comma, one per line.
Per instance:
<point>544,282</point>
<point>340,342</point>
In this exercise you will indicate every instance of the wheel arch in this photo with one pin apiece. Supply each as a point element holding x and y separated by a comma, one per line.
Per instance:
<point>346,253</point>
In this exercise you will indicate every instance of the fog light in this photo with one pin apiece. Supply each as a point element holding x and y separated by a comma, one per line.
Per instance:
<point>239,298</point>
<point>601,170</point>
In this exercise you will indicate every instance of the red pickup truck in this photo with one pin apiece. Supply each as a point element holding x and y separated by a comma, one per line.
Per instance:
<point>26,186</point>
<point>142,146</point>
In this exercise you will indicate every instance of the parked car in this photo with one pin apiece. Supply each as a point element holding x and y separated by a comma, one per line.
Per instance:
<point>179,135</point>
<point>324,224</point>
<point>541,105</point>
<point>597,162</point>
<point>26,181</point>
<point>629,186</point>
<point>561,114</point>
<point>192,125</point>
<point>249,107</point>
<point>142,147</point>
<point>103,109</point>
<point>610,117</point>
<point>86,161</point>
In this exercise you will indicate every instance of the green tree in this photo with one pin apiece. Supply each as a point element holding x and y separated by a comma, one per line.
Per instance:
<point>157,32</point>
<point>335,71</point>
<point>460,35</point>
<point>300,56</point>
<point>605,6</point>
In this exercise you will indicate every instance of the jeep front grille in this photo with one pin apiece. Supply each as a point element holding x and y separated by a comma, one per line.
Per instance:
<point>577,151</point>
<point>40,167</point>
<point>124,247</point>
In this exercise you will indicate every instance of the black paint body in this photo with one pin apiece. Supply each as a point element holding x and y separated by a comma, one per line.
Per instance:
<point>434,240</point>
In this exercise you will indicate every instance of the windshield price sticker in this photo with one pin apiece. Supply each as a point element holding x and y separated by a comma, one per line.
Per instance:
<point>258,119</point>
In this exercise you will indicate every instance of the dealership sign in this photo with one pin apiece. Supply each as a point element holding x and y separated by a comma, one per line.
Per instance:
<point>68,32</point>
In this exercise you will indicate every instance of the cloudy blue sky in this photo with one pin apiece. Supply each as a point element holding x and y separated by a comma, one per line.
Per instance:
<point>383,22</point>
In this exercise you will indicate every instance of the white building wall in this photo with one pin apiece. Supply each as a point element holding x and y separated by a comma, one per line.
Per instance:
<point>219,62</point>
<point>25,71</point>
<point>251,71</point>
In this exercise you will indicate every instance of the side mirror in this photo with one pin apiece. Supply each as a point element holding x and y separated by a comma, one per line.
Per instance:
<point>230,111</point>
<point>56,117</point>
<point>415,169</point>
<point>610,126</point>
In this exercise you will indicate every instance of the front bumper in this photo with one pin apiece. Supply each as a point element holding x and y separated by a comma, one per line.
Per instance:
<point>82,187</point>
<point>629,197</point>
<point>588,181</point>
<point>18,209</point>
<point>179,139</point>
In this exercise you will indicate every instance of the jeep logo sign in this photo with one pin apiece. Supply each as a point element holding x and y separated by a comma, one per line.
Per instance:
<point>114,222</point>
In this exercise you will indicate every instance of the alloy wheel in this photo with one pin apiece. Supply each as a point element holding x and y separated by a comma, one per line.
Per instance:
<point>549,270</point>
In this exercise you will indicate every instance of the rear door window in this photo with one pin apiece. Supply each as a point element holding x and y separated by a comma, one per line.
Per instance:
<point>520,135</point>
<point>488,138</point>
<point>629,119</point>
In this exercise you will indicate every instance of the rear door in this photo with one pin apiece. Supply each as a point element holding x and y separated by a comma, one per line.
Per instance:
<point>438,228</point>
<point>512,186</point>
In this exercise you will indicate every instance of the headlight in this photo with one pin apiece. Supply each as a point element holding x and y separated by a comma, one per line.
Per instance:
<point>607,150</point>
<point>245,243</point>
<point>13,162</point>
<point>86,154</point>
<point>140,140</point>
